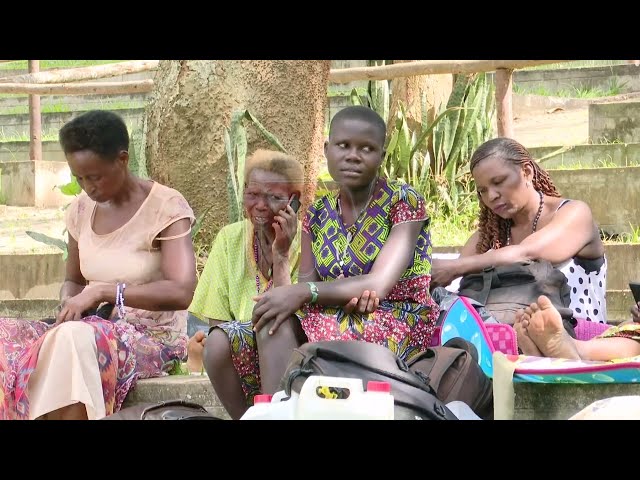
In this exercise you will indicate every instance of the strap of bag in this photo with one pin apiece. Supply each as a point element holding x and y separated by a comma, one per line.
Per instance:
<point>483,296</point>
<point>172,403</point>
<point>443,357</point>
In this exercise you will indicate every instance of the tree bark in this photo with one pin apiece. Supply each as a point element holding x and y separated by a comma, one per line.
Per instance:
<point>435,88</point>
<point>193,102</point>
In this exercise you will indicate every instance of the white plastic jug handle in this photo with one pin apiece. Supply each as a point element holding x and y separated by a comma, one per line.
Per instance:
<point>310,385</point>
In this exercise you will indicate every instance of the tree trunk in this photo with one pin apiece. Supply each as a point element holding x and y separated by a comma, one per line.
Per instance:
<point>410,90</point>
<point>193,101</point>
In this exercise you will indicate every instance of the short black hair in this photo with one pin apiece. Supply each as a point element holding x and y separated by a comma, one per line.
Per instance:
<point>365,114</point>
<point>100,131</point>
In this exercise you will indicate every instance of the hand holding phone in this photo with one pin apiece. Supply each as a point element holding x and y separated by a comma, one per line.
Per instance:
<point>294,202</point>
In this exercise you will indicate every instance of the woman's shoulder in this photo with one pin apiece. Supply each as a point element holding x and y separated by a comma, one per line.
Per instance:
<point>321,203</point>
<point>401,191</point>
<point>78,205</point>
<point>575,208</point>
<point>235,230</point>
<point>163,192</point>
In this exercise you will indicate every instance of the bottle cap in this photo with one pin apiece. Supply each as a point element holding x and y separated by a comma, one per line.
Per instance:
<point>373,386</point>
<point>262,398</point>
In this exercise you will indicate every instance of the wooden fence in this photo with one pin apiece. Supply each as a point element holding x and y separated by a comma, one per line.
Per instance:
<point>70,82</point>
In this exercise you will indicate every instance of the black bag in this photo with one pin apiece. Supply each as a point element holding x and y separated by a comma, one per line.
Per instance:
<point>504,290</point>
<point>167,410</point>
<point>412,384</point>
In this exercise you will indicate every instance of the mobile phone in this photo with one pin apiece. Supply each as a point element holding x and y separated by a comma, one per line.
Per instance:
<point>635,290</point>
<point>294,202</point>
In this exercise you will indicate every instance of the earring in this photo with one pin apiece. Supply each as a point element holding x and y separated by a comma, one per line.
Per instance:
<point>528,184</point>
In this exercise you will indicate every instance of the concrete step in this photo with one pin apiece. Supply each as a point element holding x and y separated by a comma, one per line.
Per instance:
<point>546,401</point>
<point>589,156</point>
<point>615,214</point>
<point>192,388</point>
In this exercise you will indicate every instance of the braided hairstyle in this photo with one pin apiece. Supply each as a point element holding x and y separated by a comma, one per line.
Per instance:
<point>493,229</point>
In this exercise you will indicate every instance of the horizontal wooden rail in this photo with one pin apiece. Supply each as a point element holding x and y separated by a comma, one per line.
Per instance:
<point>429,67</point>
<point>83,73</point>
<point>97,88</point>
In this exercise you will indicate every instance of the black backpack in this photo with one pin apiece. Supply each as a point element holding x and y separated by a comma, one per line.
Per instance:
<point>415,385</point>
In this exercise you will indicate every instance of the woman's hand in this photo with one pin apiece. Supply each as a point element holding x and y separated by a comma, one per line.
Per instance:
<point>278,304</point>
<point>285,226</point>
<point>73,307</point>
<point>441,273</point>
<point>367,303</point>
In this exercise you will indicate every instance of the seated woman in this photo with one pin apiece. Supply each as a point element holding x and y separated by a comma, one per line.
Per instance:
<point>248,258</point>
<point>523,217</point>
<point>373,234</point>
<point>541,333</point>
<point>129,245</point>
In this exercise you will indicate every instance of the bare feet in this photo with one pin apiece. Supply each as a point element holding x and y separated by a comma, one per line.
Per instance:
<point>546,330</point>
<point>525,343</point>
<point>195,349</point>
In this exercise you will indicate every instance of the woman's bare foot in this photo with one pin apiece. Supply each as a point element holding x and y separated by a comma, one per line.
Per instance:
<point>525,343</point>
<point>547,331</point>
<point>195,349</point>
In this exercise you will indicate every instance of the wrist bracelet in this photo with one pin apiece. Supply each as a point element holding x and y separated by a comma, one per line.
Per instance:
<point>314,292</point>
<point>120,299</point>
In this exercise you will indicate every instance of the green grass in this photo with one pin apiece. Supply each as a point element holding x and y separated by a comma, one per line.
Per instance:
<point>77,107</point>
<point>600,163</point>
<point>632,237</point>
<point>577,64</point>
<point>47,64</point>
<point>615,87</point>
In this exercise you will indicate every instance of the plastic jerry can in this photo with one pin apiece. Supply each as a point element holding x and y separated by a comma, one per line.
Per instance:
<point>338,398</point>
<point>268,407</point>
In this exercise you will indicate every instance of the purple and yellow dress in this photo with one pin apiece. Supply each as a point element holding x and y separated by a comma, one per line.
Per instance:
<point>405,320</point>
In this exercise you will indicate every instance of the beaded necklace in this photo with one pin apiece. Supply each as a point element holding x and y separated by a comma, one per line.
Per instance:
<point>535,220</point>
<point>256,257</point>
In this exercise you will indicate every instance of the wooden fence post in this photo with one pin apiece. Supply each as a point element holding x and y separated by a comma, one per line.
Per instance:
<point>504,107</point>
<point>35,119</point>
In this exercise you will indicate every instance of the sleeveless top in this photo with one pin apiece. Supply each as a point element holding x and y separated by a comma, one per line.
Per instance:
<point>588,281</point>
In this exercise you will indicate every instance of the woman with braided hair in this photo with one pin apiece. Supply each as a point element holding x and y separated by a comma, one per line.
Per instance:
<point>523,217</point>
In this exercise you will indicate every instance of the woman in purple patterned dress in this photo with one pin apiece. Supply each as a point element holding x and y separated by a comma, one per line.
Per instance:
<point>372,236</point>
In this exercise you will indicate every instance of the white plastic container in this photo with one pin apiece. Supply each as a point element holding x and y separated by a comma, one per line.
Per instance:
<point>320,399</point>
<point>267,407</point>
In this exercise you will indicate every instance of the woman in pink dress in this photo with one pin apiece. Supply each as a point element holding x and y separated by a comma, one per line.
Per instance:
<point>129,246</point>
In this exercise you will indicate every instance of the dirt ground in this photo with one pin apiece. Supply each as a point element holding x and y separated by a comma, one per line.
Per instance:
<point>565,127</point>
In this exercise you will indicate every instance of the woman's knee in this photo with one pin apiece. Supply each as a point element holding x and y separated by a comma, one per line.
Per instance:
<point>76,331</point>
<point>217,350</point>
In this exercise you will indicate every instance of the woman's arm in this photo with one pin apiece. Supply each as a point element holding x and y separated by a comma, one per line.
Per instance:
<point>74,282</point>
<point>307,271</point>
<point>179,271</point>
<point>393,259</point>
<point>391,262</point>
<point>285,227</point>
<point>173,293</point>
<point>568,232</point>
